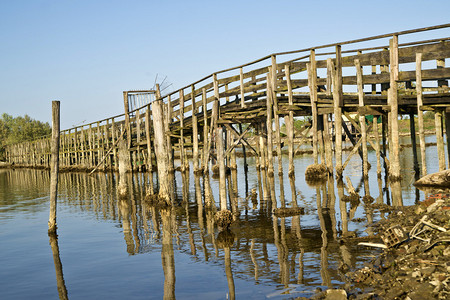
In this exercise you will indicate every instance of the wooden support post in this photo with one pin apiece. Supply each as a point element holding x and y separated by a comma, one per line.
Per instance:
<point>374,86</point>
<point>221,162</point>
<point>54,165</point>
<point>412,129</point>
<point>420,113</point>
<point>276,115</point>
<point>136,162</point>
<point>440,64</point>
<point>194,131</point>
<point>99,142</point>
<point>114,139</point>
<point>337,104</point>
<point>394,170</point>
<point>327,144</point>
<point>439,138</point>
<point>290,122</point>
<point>205,133</point>
<point>161,151</point>
<point>377,144</point>
<point>124,164</point>
<point>183,157</point>
<point>447,132</point>
<point>362,118</point>
<point>168,110</point>
<point>269,125</point>
<point>312,84</point>
<point>241,78</point>
<point>244,152</point>
<point>127,117</point>
<point>149,139</point>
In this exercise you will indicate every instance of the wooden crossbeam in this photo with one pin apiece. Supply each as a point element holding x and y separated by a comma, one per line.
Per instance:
<point>237,141</point>
<point>234,132</point>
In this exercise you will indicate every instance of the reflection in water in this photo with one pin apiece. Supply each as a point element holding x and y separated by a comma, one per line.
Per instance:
<point>288,254</point>
<point>62,290</point>
<point>167,255</point>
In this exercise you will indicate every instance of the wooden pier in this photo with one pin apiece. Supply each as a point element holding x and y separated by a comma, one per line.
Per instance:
<point>368,82</point>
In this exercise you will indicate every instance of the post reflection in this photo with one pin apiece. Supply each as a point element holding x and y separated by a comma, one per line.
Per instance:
<point>167,254</point>
<point>60,283</point>
<point>225,240</point>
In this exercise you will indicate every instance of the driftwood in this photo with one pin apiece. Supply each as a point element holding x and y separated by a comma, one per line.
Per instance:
<point>439,179</point>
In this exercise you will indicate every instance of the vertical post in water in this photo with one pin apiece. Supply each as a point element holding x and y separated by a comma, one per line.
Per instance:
<point>54,166</point>
<point>439,138</point>
<point>394,170</point>
<point>194,131</point>
<point>412,129</point>
<point>205,163</point>
<point>124,164</point>
<point>276,114</point>
<point>162,157</point>
<point>269,125</point>
<point>290,121</point>
<point>221,162</point>
<point>127,118</point>
<point>362,118</point>
<point>312,84</point>
<point>420,113</point>
<point>182,150</point>
<point>377,144</point>
<point>338,103</point>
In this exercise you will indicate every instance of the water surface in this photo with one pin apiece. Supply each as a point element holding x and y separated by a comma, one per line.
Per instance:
<point>109,248</point>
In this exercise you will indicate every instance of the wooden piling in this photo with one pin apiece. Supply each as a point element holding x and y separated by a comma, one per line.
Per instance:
<point>439,139</point>
<point>269,124</point>
<point>420,113</point>
<point>54,165</point>
<point>276,114</point>
<point>168,110</point>
<point>412,129</point>
<point>362,118</point>
<point>194,131</point>
<point>205,165</point>
<point>377,144</point>
<point>161,152</point>
<point>124,162</point>
<point>337,106</point>
<point>290,122</point>
<point>149,139</point>
<point>241,79</point>
<point>394,170</point>
<point>127,117</point>
<point>312,84</point>
<point>221,162</point>
<point>183,157</point>
<point>447,132</point>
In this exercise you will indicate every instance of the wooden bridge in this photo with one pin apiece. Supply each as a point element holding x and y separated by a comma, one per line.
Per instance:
<point>247,105</point>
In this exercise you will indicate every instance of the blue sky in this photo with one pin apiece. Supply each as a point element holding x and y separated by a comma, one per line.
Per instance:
<point>85,53</point>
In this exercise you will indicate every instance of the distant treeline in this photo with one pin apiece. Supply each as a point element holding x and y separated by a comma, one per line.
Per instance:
<point>20,129</point>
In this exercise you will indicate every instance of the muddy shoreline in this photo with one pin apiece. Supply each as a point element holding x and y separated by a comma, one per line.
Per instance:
<point>416,261</point>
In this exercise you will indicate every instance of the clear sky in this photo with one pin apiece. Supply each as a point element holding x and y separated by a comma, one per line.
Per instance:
<point>85,53</point>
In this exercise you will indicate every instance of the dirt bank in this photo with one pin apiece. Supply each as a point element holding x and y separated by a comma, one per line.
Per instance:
<point>415,263</point>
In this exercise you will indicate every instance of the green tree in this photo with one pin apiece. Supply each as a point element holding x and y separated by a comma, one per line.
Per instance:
<point>20,129</point>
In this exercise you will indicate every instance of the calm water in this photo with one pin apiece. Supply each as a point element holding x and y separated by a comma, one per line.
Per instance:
<point>125,249</point>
